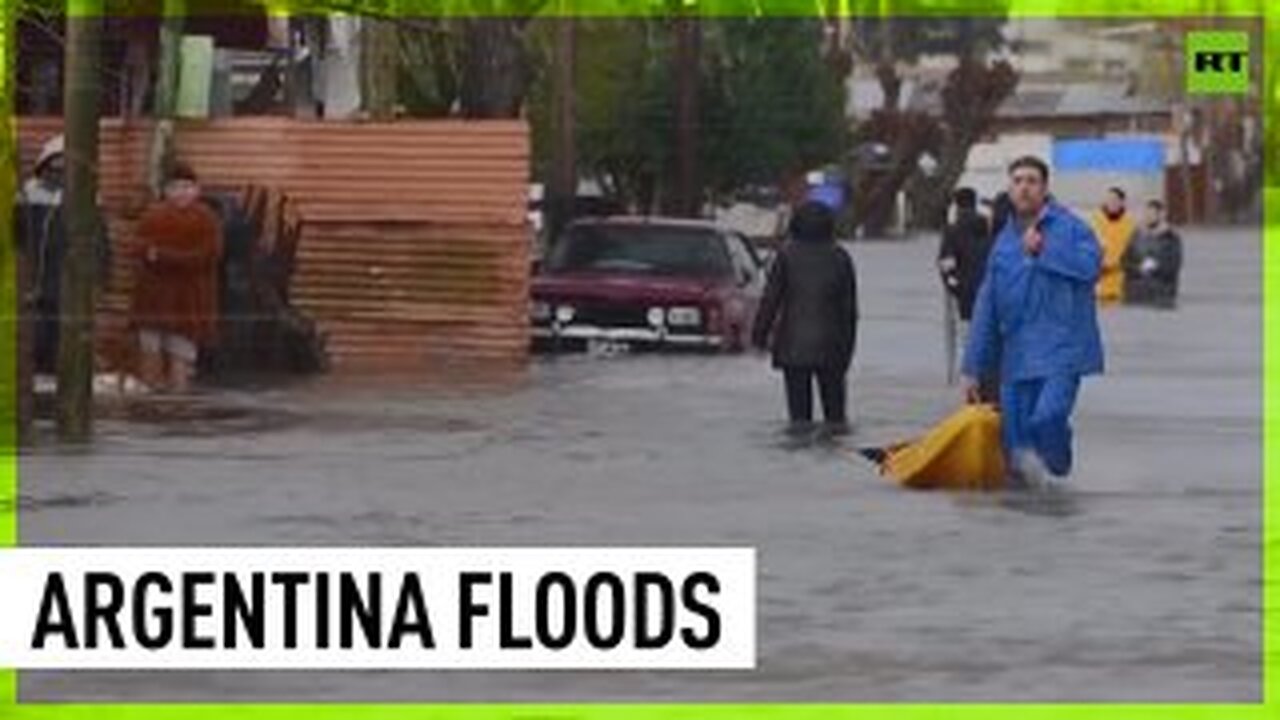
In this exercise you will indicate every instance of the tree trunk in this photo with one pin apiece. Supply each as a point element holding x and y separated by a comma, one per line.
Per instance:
<point>22,337</point>
<point>137,75</point>
<point>378,58</point>
<point>873,207</point>
<point>908,135</point>
<point>687,199</point>
<point>882,201</point>
<point>443,66</point>
<point>312,33</point>
<point>564,177</point>
<point>890,85</point>
<point>931,201</point>
<point>495,76</point>
<point>15,273</point>
<point>1184,157</point>
<point>75,356</point>
<point>166,93</point>
<point>973,93</point>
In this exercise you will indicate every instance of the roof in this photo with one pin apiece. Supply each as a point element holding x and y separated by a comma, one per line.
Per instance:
<point>1106,99</point>
<point>1060,100</point>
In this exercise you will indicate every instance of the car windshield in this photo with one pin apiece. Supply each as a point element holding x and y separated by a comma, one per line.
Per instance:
<point>646,250</point>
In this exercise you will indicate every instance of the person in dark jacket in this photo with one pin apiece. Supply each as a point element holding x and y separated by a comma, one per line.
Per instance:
<point>42,235</point>
<point>962,262</point>
<point>1153,261</point>
<point>810,308</point>
<point>1001,211</point>
<point>962,256</point>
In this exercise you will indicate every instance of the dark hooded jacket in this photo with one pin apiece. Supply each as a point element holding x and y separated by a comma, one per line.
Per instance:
<point>966,243</point>
<point>1156,283</point>
<point>810,305</point>
<point>1001,211</point>
<point>41,232</point>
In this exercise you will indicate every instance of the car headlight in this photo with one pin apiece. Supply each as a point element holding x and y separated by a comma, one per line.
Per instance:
<point>685,316</point>
<point>540,311</point>
<point>656,316</point>
<point>564,314</point>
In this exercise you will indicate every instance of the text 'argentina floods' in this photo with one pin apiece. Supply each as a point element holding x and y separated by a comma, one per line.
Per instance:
<point>379,608</point>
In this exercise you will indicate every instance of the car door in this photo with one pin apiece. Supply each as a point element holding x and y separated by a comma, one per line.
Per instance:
<point>749,280</point>
<point>748,267</point>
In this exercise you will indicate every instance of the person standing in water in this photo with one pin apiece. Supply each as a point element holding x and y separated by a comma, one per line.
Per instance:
<point>962,262</point>
<point>810,309</point>
<point>175,297</point>
<point>1113,227</point>
<point>1153,261</point>
<point>1035,321</point>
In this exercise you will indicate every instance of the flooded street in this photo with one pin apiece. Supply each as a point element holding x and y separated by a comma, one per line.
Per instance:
<point>1145,585</point>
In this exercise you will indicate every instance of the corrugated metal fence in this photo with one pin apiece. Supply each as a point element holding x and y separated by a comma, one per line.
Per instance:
<point>414,246</point>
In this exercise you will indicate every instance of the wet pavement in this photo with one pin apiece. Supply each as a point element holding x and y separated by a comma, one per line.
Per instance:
<point>1144,584</point>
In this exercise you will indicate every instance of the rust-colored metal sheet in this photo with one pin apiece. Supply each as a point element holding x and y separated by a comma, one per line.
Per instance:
<point>415,288</point>
<point>414,245</point>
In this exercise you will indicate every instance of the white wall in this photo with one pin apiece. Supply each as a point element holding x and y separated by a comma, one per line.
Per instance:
<point>987,169</point>
<point>986,172</point>
<point>1083,191</point>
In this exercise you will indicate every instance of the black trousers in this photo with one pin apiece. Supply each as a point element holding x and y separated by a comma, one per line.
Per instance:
<point>47,325</point>
<point>831,389</point>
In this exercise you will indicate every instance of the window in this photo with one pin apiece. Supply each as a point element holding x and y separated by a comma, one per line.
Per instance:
<point>644,250</point>
<point>747,265</point>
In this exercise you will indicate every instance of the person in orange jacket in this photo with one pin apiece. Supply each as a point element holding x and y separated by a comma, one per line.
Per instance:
<point>175,296</point>
<point>1114,228</point>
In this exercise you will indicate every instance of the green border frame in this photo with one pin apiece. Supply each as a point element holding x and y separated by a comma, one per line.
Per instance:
<point>1270,99</point>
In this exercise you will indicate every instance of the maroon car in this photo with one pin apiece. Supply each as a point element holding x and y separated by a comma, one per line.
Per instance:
<point>648,283</point>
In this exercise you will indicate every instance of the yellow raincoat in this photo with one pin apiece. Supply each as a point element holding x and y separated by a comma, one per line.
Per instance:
<point>1114,236</point>
<point>961,453</point>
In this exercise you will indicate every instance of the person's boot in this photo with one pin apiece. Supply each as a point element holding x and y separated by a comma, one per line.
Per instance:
<point>1014,481</point>
<point>1034,472</point>
<point>836,428</point>
<point>800,428</point>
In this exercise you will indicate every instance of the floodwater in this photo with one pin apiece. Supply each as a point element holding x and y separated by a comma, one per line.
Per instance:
<point>1143,585</point>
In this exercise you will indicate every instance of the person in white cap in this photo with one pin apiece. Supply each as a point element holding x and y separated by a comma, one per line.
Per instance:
<point>44,187</point>
<point>41,232</point>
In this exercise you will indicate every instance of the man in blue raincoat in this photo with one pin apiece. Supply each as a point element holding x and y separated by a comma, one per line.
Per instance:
<point>1035,319</point>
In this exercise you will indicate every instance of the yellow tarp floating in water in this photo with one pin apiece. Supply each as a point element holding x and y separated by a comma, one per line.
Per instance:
<point>960,453</point>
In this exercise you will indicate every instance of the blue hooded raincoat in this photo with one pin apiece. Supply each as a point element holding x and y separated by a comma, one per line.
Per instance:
<point>1035,319</point>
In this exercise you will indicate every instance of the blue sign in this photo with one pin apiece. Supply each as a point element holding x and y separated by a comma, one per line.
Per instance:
<point>1138,155</point>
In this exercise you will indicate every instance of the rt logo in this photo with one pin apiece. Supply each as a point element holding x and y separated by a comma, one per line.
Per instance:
<point>1217,63</point>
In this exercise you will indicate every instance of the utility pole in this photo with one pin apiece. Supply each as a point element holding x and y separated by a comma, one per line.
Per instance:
<point>1180,106</point>
<point>80,215</point>
<point>379,53</point>
<point>687,61</point>
<point>563,186</point>
<point>161,152</point>
<point>15,330</point>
